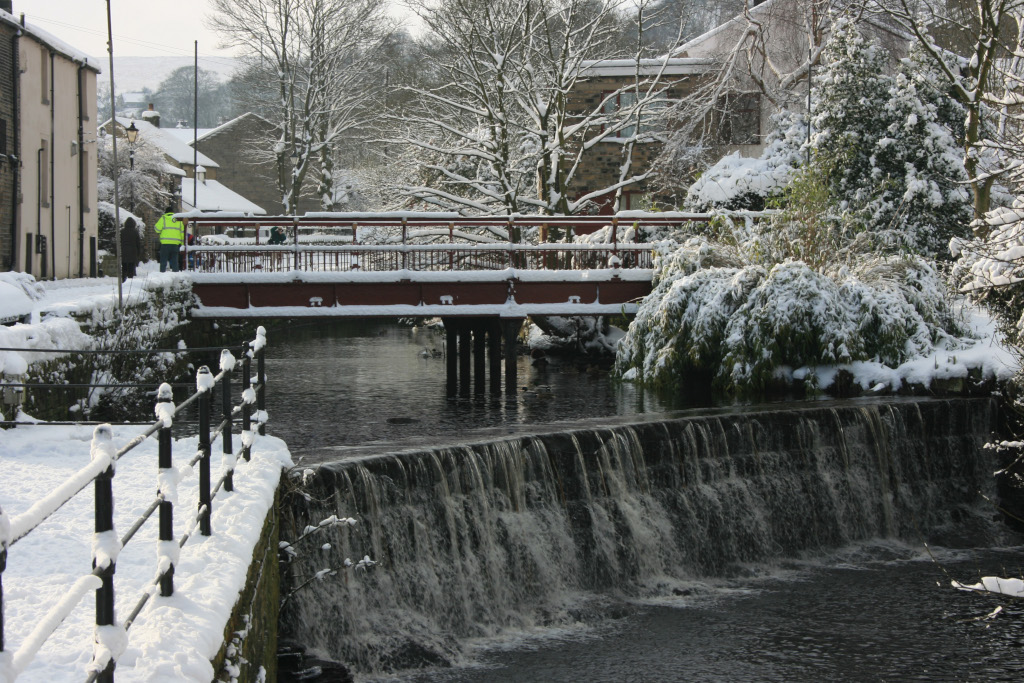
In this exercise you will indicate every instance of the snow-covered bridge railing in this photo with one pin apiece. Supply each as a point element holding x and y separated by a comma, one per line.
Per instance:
<point>109,638</point>
<point>341,242</point>
<point>416,257</point>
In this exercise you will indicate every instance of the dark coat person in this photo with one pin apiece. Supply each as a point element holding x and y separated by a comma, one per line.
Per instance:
<point>131,248</point>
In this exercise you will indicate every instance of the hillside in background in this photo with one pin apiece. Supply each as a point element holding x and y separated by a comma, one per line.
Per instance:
<point>132,74</point>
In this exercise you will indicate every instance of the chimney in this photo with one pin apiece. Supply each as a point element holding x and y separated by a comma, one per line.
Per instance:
<point>151,116</point>
<point>7,6</point>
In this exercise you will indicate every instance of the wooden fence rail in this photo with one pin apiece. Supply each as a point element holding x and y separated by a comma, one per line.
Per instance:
<point>100,471</point>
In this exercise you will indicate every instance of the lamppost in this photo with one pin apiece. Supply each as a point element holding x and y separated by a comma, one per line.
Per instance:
<point>294,158</point>
<point>132,133</point>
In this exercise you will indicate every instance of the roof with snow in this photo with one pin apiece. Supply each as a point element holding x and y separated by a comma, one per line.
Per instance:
<point>51,41</point>
<point>213,196</point>
<point>676,66</point>
<point>168,143</point>
<point>186,135</point>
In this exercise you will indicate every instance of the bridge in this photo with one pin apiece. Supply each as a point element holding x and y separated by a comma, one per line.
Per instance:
<point>481,275</point>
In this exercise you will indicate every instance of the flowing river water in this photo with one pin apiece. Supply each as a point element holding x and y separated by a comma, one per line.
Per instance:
<point>873,609</point>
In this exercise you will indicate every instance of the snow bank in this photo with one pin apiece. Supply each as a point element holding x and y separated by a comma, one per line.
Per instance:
<point>174,638</point>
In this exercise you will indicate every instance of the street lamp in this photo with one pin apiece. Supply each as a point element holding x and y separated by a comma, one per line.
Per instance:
<point>132,133</point>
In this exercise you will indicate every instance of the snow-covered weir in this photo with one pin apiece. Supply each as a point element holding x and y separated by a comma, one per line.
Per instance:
<point>28,531</point>
<point>542,531</point>
<point>423,264</point>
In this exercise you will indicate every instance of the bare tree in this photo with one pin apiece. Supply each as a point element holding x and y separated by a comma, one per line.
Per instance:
<point>500,130</point>
<point>314,74</point>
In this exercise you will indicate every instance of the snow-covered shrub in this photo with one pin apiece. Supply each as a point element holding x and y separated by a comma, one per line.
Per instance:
<point>736,182</point>
<point>738,325</point>
<point>990,269</point>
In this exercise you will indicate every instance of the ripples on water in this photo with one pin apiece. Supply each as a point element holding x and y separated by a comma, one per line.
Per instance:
<point>859,620</point>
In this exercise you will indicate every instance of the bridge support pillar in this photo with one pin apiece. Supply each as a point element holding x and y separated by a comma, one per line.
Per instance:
<point>451,356</point>
<point>479,361</point>
<point>510,330</point>
<point>465,336</point>
<point>494,355</point>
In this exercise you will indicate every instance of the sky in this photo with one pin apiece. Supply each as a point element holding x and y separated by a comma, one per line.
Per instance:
<point>155,28</point>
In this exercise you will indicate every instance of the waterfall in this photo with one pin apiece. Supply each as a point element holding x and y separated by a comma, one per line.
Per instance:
<point>515,532</point>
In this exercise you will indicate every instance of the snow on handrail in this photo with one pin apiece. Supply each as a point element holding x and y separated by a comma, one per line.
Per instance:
<point>103,458</point>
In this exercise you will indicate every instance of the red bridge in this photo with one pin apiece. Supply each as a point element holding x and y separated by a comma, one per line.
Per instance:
<point>359,265</point>
<point>482,276</point>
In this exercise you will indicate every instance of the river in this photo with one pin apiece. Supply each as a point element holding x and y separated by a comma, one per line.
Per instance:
<point>876,610</point>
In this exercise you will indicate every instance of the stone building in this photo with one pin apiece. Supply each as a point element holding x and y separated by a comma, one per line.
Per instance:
<point>604,81</point>
<point>246,163</point>
<point>48,213</point>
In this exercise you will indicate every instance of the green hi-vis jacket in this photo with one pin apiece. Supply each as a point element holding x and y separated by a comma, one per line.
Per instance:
<point>170,230</point>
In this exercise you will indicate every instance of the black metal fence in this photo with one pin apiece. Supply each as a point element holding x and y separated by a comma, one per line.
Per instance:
<point>100,471</point>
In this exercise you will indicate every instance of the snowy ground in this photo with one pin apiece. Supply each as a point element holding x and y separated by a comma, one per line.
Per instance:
<point>174,638</point>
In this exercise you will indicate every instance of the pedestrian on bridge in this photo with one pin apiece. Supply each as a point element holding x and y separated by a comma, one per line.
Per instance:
<point>171,232</point>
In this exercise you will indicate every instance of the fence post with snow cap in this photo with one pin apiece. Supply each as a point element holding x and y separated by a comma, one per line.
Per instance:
<point>248,398</point>
<point>227,364</point>
<point>204,385</point>
<point>5,535</point>
<point>167,484</point>
<point>105,546</point>
<point>261,371</point>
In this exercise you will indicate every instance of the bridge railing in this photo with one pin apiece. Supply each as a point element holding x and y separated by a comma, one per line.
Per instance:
<point>444,241</point>
<point>440,257</point>
<point>108,637</point>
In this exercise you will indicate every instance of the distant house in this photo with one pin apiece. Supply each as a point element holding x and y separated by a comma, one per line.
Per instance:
<point>774,52</point>
<point>247,164</point>
<point>48,213</point>
<point>757,63</point>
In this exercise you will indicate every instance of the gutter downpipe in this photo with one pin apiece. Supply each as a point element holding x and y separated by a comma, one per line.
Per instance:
<point>16,162</point>
<point>53,168</point>
<point>81,174</point>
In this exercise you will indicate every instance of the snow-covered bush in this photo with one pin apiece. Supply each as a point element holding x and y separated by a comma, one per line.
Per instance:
<point>738,325</point>
<point>990,269</point>
<point>736,182</point>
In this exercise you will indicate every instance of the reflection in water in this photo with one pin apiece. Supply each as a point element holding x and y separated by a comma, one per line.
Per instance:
<point>345,384</point>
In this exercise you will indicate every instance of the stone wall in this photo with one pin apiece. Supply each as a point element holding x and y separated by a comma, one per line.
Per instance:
<point>250,637</point>
<point>601,165</point>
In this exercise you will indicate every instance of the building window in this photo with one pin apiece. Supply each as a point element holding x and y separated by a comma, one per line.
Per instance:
<point>740,119</point>
<point>3,137</point>
<point>626,100</point>
<point>44,174</point>
<point>44,70</point>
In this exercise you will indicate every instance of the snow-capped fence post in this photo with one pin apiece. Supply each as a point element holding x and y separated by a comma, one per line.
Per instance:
<point>168,485</point>
<point>261,389</point>
<point>5,530</point>
<point>246,402</point>
<point>227,364</point>
<point>204,382</point>
<point>105,546</point>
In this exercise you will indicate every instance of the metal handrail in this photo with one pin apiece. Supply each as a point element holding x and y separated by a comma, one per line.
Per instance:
<point>100,472</point>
